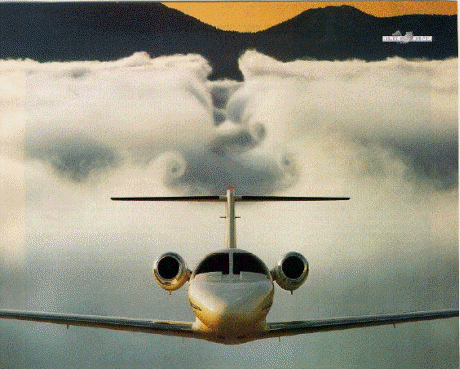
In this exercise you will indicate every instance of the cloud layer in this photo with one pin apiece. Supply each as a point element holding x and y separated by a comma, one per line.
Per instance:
<point>74,132</point>
<point>383,133</point>
<point>86,118</point>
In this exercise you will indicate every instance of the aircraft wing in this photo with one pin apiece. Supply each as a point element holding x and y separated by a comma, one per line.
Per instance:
<point>169,328</point>
<point>186,329</point>
<point>324,325</point>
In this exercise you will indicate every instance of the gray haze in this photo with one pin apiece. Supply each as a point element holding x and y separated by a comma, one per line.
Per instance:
<point>74,134</point>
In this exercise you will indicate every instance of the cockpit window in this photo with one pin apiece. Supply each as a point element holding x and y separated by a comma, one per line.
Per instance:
<point>243,262</point>
<point>214,263</point>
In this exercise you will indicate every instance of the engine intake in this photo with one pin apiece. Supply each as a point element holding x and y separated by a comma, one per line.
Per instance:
<point>291,271</point>
<point>170,271</point>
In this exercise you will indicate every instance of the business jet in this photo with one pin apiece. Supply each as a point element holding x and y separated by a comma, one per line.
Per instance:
<point>230,291</point>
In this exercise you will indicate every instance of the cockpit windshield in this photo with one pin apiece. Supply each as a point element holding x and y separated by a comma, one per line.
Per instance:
<point>218,262</point>
<point>246,262</point>
<point>241,261</point>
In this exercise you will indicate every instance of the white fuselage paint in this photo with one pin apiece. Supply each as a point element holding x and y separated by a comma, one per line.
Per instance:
<point>231,308</point>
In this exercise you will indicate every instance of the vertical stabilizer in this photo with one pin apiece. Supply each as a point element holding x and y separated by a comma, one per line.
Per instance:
<point>230,217</point>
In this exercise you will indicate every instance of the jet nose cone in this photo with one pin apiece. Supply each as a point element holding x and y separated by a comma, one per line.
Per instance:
<point>232,308</point>
<point>244,298</point>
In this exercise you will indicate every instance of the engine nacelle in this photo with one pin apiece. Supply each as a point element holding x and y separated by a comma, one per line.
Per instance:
<point>170,271</point>
<point>291,271</point>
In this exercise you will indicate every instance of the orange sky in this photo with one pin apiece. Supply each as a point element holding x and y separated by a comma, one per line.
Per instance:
<point>256,16</point>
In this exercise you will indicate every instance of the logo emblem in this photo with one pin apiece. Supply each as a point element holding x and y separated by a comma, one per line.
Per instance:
<point>408,37</point>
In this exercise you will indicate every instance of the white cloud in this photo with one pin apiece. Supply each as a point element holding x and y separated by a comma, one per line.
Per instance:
<point>142,126</point>
<point>391,99</point>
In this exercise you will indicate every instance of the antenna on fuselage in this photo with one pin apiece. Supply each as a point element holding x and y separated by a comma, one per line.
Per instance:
<point>230,199</point>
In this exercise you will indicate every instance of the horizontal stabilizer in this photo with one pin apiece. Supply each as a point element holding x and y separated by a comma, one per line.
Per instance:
<point>170,198</point>
<point>224,198</point>
<point>288,198</point>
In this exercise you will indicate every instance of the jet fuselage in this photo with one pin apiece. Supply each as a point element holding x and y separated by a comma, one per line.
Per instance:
<point>231,293</point>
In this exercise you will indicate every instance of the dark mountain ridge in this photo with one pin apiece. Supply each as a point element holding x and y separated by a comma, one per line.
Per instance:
<point>108,31</point>
<point>339,33</point>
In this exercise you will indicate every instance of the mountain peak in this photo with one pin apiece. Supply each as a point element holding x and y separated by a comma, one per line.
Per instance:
<point>343,14</point>
<point>336,12</point>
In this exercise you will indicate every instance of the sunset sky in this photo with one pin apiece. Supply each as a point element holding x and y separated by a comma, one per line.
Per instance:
<point>256,16</point>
